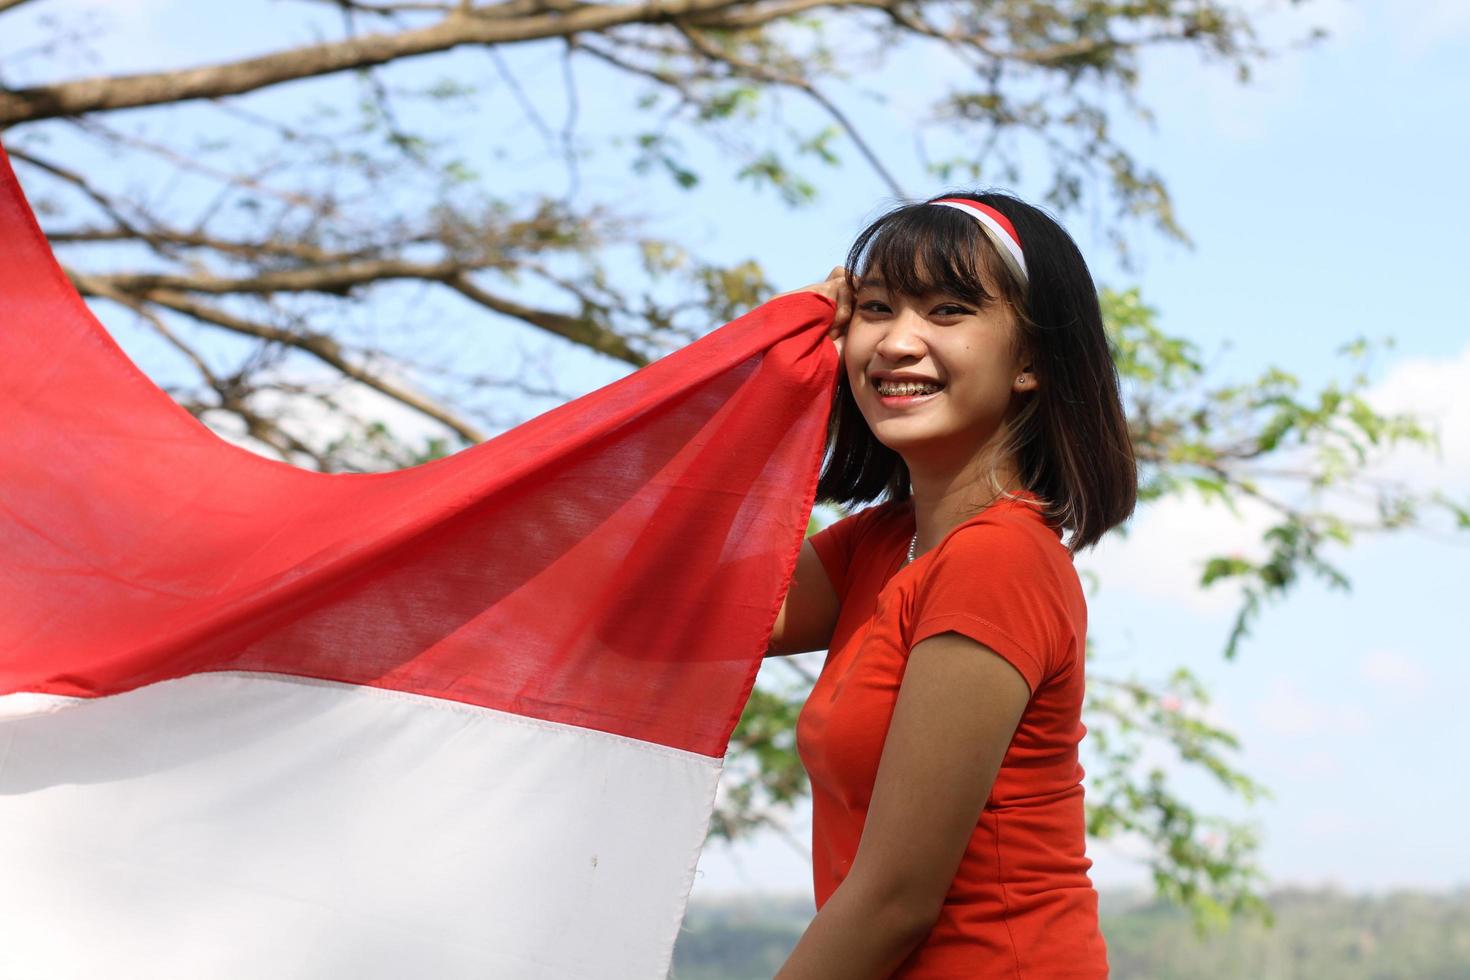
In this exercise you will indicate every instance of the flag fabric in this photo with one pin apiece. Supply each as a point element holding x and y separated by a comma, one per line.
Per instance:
<point>460,720</point>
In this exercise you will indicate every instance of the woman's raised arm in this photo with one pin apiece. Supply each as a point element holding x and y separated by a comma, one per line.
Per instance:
<point>809,611</point>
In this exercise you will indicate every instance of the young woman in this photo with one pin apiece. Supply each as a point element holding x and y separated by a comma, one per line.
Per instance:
<point>978,399</point>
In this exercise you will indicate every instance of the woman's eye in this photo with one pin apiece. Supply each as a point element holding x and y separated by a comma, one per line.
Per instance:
<point>873,306</point>
<point>951,309</point>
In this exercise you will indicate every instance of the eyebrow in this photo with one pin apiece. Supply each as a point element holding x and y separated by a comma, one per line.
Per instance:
<point>880,284</point>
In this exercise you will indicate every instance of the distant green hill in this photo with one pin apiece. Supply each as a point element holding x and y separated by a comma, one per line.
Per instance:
<point>1320,934</point>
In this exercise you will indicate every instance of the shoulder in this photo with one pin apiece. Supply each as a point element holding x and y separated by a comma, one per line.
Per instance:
<point>1006,540</point>
<point>1006,580</point>
<point>1009,557</point>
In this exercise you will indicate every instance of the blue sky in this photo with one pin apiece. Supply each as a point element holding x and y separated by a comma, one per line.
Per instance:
<point>1326,201</point>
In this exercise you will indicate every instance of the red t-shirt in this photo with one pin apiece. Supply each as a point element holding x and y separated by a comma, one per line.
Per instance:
<point>1021,904</point>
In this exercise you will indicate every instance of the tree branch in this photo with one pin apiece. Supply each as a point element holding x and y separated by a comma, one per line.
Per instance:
<point>189,239</point>
<point>499,24</point>
<point>320,346</point>
<point>341,279</point>
<point>112,208</point>
<point>250,250</point>
<point>228,390</point>
<point>337,279</point>
<point>107,134</point>
<point>576,329</point>
<point>764,74</point>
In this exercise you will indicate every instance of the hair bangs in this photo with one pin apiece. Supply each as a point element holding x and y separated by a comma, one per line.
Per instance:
<point>923,250</point>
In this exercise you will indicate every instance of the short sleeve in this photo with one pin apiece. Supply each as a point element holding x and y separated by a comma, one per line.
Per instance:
<point>836,544</point>
<point>995,583</point>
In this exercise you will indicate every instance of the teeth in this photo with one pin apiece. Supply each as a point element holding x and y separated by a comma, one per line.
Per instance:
<point>906,387</point>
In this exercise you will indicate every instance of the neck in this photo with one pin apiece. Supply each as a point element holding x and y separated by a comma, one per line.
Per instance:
<point>945,497</point>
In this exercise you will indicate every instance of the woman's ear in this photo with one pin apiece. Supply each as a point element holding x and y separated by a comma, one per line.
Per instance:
<point>1025,379</point>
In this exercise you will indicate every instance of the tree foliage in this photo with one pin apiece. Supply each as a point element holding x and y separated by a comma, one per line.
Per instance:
<point>362,164</point>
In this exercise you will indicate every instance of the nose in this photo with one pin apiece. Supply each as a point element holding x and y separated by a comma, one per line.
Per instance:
<point>902,337</point>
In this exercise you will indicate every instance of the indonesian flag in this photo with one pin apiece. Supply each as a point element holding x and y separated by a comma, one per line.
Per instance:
<point>460,720</point>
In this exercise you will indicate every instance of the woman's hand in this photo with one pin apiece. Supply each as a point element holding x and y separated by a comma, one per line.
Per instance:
<point>834,287</point>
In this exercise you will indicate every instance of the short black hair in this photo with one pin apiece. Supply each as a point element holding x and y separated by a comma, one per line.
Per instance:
<point>1070,441</point>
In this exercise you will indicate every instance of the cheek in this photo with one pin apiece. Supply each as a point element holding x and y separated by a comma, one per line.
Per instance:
<point>855,354</point>
<point>983,393</point>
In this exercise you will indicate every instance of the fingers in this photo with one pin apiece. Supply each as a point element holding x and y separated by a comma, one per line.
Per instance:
<point>844,298</point>
<point>835,288</point>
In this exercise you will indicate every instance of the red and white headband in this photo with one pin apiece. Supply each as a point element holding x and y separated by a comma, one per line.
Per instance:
<point>998,229</point>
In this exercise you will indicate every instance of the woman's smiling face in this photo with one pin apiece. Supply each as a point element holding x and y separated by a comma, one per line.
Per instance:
<point>963,346</point>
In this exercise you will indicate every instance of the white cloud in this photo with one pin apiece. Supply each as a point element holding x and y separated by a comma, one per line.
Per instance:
<point>1210,94</point>
<point>1437,390</point>
<point>1167,545</point>
<point>1288,711</point>
<point>1331,823</point>
<point>1390,670</point>
<point>128,7</point>
<point>1169,540</point>
<point>312,422</point>
<point>1425,26</point>
<point>1343,20</point>
<point>1313,763</point>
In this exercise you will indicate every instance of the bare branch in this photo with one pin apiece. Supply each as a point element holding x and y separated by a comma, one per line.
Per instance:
<point>764,74</point>
<point>569,124</point>
<point>342,279</point>
<point>106,203</point>
<point>756,15</point>
<point>677,82</point>
<point>505,23</point>
<point>228,390</point>
<point>184,239</point>
<point>320,346</point>
<point>123,299</point>
<point>248,250</point>
<point>575,329</point>
<point>185,162</point>
<point>518,91</point>
<point>335,279</point>
<point>383,9</point>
